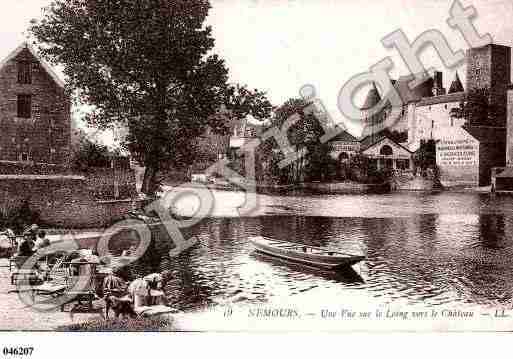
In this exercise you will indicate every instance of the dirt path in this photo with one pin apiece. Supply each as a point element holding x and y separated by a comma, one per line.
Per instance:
<point>18,316</point>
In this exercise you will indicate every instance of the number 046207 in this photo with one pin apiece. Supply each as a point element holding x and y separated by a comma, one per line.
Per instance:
<point>17,351</point>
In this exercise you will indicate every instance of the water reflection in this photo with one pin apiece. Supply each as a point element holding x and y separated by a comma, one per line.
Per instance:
<point>433,255</point>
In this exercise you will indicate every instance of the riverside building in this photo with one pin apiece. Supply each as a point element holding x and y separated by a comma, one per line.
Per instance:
<point>465,152</point>
<point>35,114</point>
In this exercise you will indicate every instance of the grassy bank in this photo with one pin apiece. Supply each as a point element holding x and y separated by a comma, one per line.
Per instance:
<point>120,325</point>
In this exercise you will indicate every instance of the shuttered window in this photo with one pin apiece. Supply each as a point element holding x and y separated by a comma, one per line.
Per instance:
<point>24,72</point>
<point>24,106</point>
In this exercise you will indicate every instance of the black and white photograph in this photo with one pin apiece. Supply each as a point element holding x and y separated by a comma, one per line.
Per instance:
<point>255,166</point>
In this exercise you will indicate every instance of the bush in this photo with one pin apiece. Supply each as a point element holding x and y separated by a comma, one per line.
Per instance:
<point>121,325</point>
<point>378,177</point>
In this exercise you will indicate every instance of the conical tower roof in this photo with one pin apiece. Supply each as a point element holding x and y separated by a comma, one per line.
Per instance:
<point>456,85</point>
<point>372,99</point>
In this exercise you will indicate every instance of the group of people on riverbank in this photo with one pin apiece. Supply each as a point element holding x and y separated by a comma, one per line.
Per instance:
<point>132,298</point>
<point>141,296</point>
<point>32,240</point>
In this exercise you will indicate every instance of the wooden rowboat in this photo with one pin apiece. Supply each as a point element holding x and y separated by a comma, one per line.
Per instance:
<point>307,255</point>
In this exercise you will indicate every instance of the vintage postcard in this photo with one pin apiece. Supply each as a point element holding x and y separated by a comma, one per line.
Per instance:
<point>255,166</point>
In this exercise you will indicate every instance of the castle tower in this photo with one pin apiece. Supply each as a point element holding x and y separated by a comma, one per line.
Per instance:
<point>490,67</point>
<point>456,85</point>
<point>371,122</point>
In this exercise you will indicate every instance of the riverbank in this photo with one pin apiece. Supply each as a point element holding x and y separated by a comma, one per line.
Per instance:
<point>334,188</point>
<point>20,316</point>
<point>16,315</point>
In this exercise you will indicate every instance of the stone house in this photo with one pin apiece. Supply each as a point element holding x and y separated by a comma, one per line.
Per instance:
<point>35,115</point>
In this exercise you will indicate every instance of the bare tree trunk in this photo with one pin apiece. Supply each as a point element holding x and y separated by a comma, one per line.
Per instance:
<point>149,184</point>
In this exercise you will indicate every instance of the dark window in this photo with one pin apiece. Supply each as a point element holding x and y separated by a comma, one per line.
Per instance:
<point>24,106</point>
<point>403,164</point>
<point>343,157</point>
<point>386,150</point>
<point>24,157</point>
<point>24,72</point>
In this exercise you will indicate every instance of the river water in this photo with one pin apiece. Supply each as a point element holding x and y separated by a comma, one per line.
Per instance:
<point>429,249</point>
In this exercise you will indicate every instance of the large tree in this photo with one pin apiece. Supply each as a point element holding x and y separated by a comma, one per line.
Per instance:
<point>304,136</point>
<point>148,65</point>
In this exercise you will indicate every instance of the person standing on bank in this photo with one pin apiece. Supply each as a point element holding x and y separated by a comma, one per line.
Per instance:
<point>42,241</point>
<point>26,246</point>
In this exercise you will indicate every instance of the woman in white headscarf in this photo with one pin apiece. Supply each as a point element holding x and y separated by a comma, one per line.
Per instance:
<point>138,290</point>
<point>146,291</point>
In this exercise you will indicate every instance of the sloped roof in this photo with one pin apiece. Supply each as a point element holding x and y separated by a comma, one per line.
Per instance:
<point>369,141</point>
<point>424,89</point>
<point>47,67</point>
<point>372,99</point>
<point>456,85</point>
<point>344,136</point>
<point>454,97</point>
<point>487,134</point>
<point>506,173</point>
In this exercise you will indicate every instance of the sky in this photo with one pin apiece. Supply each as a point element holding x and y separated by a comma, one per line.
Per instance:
<point>280,45</point>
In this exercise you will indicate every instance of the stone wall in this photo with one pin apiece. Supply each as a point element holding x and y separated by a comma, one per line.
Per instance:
<point>111,183</point>
<point>414,183</point>
<point>501,80</point>
<point>491,154</point>
<point>479,61</point>
<point>433,118</point>
<point>17,168</point>
<point>346,188</point>
<point>490,67</point>
<point>62,201</point>
<point>509,135</point>
<point>101,181</point>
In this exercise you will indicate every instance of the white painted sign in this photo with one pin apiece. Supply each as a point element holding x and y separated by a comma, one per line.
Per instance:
<point>457,152</point>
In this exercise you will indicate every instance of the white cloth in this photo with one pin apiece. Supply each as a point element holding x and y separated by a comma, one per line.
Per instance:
<point>138,290</point>
<point>39,243</point>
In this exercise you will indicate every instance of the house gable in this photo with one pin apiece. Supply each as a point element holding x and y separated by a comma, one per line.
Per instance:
<point>25,46</point>
<point>376,149</point>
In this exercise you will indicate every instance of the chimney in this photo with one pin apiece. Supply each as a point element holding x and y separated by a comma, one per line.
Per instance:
<point>438,86</point>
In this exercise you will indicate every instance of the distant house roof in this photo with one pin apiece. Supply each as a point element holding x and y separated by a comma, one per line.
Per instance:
<point>487,134</point>
<point>454,97</point>
<point>424,89</point>
<point>371,141</point>
<point>47,68</point>
<point>456,85</point>
<point>344,136</point>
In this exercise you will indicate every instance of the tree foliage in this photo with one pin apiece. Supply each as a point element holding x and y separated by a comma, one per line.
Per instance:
<point>425,156</point>
<point>88,153</point>
<point>304,135</point>
<point>148,65</point>
<point>477,109</point>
